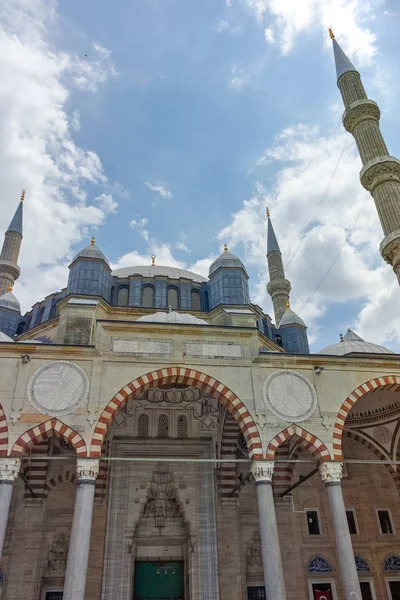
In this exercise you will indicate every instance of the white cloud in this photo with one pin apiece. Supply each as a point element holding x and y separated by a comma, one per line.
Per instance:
<point>107,203</point>
<point>334,219</point>
<point>222,25</point>
<point>159,187</point>
<point>37,151</point>
<point>269,35</point>
<point>75,120</point>
<point>140,226</point>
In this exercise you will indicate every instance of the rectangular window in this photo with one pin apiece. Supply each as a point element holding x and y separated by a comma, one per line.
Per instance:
<point>54,595</point>
<point>351,521</point>
<point>322,591</point>
<point>394,587</point>
<point>256,593</point>
<point>366,592</point>
<point>313,522</point>
<point>385,521</point>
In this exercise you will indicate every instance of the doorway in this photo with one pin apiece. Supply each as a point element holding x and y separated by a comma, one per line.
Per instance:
<point>158,581</point>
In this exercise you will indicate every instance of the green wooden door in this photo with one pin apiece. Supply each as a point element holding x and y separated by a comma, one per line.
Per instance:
<point>158,581</point>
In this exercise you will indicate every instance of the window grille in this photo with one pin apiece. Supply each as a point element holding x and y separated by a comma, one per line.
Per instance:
<point>182,426</point>
<point>196,304</point>
<point>143,426</point>
<point>173,298</point>
<point>385,521</point>
<point>163,426</point>
<point>313,522</point>
<point>54,595</point>
<point>256,593</point>
<point>148,296</point>
<point>123,295</point>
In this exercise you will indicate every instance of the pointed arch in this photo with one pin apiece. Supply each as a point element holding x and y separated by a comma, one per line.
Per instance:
<point>45,430</point>
<point>313,444</point>
<point>3,433</point>
<point>183,376</point>
<point>391,382</point>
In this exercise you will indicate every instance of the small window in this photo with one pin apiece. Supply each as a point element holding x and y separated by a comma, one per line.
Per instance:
<point>196,304</point>
<point>256,593</point>
<point>173,299</point>
<point>123,295</point>
<point>366,591</point>
<point>163,426</point>
<point>182,426</point>
<point>385,521</point>
<point>54,595</point>
<point>148,296</point>
<point>394,587</point>
<point>143,426</point>
<point>351,521</point>
<point>313,522</point>
<point>322,591</point>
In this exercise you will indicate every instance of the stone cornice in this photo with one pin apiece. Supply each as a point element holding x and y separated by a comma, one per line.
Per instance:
<point>379,170</point>
<point>359,111</point>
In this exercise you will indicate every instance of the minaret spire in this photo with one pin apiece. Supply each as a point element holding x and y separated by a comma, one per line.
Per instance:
<point>9,269</point>
<point>278,287</point>
<point>380,174</point>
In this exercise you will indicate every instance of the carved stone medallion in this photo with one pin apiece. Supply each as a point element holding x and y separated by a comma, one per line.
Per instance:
<point>382,434</point>
<point>58,388</point>
<point>290,396</point>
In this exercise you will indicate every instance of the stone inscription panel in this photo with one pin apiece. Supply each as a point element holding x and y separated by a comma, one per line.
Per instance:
<point>213,350</point>
<point>58,388</point>
<point>290,395</point>
<point>141,346</point>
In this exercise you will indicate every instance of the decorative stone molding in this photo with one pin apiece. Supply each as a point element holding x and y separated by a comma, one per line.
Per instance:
<point>390,249</point>
<point>382,434</point>
<point>378,171</point>
<point>87,469</point>
<point>262,471</point>
<point>331,472</point>
<point>9,469</point>
<point>142,347</point>
<point>58,388</point>
<point>360,110</point>
<point>9,269</point>
<point>290,396</point>
<point>278,286</point>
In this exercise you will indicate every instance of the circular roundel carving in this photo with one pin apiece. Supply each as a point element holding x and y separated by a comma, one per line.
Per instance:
<point>382,434</point>
<point>58,388</point>
<point>290,396</point>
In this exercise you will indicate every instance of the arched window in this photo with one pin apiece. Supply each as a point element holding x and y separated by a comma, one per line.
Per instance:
<point>123,295</point>
<point>361,564</point>
<point>143,426</point>
<point>163,426</point>
<point>196,303</point>
<point>319,565</point>
<point>392,563</point>
<point>182,427</point>
<point>39,316</point>
<point>148,296</point>
<point>173,297</point>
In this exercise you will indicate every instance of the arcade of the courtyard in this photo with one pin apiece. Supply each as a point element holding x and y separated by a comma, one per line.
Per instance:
<point>82,526</point>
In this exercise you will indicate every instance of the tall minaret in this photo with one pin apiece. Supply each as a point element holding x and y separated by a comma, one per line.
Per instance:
<point>380,174</point>
<point>9,269</point>
<point>278,287</point>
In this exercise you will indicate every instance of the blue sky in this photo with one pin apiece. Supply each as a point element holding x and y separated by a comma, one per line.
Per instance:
<point>167,126</point>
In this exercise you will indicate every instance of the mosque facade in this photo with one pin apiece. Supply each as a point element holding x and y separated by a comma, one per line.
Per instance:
<point>161,437</point>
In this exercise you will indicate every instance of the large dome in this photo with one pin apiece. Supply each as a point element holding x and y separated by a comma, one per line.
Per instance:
<point>351,343</point>
<point>158,270</point>
<point>172,317</point>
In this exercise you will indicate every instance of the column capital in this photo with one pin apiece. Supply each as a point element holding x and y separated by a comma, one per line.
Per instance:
<point>262,470</point>
<point>87,469</point>
<point>331,472</point>
<point>9,469</point>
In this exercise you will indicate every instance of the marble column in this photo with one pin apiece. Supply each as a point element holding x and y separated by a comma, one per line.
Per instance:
<point>331,474</point>
<point>270,547</point>
<point>9,469</point>
<point>78,553</point>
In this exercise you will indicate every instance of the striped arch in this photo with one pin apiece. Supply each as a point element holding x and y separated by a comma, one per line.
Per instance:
<point>41,432</point>
<point>313,444</point>
<point>62,478</point>
<point>378,453</point>
<point>183,376</point>
<point>3,433</point>
<point>227,471</point>
<point>391,383</point>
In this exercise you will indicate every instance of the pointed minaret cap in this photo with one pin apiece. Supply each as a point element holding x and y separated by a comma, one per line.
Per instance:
<point>342,62</point>
<point>272,242</point>
<point>16,223</point>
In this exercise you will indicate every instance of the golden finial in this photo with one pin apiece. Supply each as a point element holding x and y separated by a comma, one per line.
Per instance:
<point>331,34</point>
<point>10,288</point>
<point>268,213</point>
<point>153,260</point>
<point>225,248</point>
<point>287,304</point>
<point>92,241</point>
<point>22,195</point>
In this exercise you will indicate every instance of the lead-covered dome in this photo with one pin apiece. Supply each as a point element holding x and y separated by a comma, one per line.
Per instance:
<point>351,343</point>
<point>289,317</point>
<point>91,251</point>
<point>227,260</point>
<point>8,300</point>
<point>5,338</point>
<point>172,317</point>
<point>158,271</point>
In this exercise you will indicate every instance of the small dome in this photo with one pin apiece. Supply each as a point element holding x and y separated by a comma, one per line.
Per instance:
<point>8,300</point>
<point>291,318</point>
<point>228,261</point>
<point>172,317</point>
<point>352,343</point>
<point>91,251</point>
<point>5,338</point>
